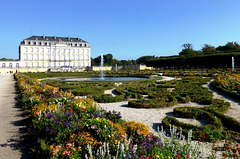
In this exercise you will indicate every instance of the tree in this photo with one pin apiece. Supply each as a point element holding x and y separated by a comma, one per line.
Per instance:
<point>188,50</point>
<point>144,59</point>
<point>108,59</point>
<point>208,48</point>
<point>229,46</point>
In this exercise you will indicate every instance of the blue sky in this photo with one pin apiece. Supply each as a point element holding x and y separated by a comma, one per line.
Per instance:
<point>127,29</point>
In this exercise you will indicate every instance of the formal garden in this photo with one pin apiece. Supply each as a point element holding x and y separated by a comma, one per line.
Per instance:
<point>63,123</point>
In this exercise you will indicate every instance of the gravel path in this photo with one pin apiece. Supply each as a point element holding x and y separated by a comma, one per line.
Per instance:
<point>11,121</point>
<point>153,117</point>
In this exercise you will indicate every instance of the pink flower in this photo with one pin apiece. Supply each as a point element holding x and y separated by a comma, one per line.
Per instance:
<point>66,153</point>
<point>100,143</point>
<point>74,149</point>
<point>142,156</point>
<point>148,157</point>
<point>55,151</point>
<point>58,147</point>
<point>68,145</point>
<point>187,155</point>
<point>139,132</point>
<point>177,155</point>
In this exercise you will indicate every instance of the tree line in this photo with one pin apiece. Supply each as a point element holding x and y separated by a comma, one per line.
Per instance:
<point>188,50</point>
<point>110,61</point>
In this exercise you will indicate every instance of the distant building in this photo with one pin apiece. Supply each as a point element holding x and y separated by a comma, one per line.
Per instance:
<point>42,53</point>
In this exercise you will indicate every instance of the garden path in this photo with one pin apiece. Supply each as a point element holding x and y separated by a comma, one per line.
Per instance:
<point>11,121</point>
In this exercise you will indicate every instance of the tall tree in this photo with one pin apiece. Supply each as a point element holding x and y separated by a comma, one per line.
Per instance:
<point>187,50</point>
<point>208,48</point>
<point>144,59</point>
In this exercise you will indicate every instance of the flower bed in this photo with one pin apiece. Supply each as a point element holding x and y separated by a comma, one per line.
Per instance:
<point>64,127</point>
<point>228,83</point>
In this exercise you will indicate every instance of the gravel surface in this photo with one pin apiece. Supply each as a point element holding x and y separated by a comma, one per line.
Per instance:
<point>11,121</point>
<point>153,117</point>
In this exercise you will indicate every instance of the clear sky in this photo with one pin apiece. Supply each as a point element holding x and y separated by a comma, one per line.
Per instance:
<point>127,29</point>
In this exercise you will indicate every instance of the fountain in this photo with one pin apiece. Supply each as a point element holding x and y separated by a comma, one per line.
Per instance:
<point>233,67</point>
<point>101,68</point>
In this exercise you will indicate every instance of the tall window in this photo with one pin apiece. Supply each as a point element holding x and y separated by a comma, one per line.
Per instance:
<point>82,50</point>
<point>10,65</point>
<point>48,57</point>
<point>83,64</point>
<point>42,49</point>
<point>17,65</point>
<point>26,49</point>
<point>31,49</point>
<point>42,64</point>
<point>37,56</point>
<point>3,65</point>
<point>48,49</point>
<point>87,50</point>
<point>83,57</point>
<point>31,56</point>
<point>26,64</point>
<point>37,49</point>
<point>25,56</point>
<point>37,64</point>
<point>42,56</point>
<point>32,64</point>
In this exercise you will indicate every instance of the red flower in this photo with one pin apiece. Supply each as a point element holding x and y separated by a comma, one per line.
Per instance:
<point>216,148</point>
<point>204,136</point>
<point>201,140</point>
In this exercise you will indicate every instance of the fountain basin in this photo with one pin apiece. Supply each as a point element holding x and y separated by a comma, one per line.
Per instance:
<point>123,78</point>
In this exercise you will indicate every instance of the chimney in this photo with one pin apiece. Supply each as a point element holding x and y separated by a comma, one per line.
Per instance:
<point>78,38</point>
<point>68,37</point>
<point>43,36</point>
<point>54,36</point>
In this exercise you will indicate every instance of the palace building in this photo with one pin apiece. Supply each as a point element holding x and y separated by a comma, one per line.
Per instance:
<point>42,53</point>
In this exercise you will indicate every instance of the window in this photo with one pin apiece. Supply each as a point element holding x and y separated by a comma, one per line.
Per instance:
<point>32,64</point>
<point>17,65</point>
<point>40,43</point>
<point>42,49</point>
<point>48,49</point>
<point>88,64</point>
<point>31,49</point>
<point>26,64</point>
<point>42,56</point>
<point>37,49</point>
<point>69,50</point>
<point>26,49</point>
<point>46,44</point>
<point>77,50</point>
<point>10,65</point>
<point>29,43</point>
<point>3,65</point>
<point>48,64</point>
<point>82,50</point>
<point>31,56</point>
<point>73,57</point>
<point>37,57</point>
<point>73,50</point>
<point>78,57</point>
<point>83,57</point>
<point>42,64</point>
<point>25,56</point>
<point>78,64</point>
<point>37,64</point>
<point>83,64</point>
<point>80,45</point>
<point>85,45</point>
<point>73,64</point>
<point>35,43</point>
<point>58,50</point>
<point>87,50</point>
<point>87,57</point>
<point>48,57</point>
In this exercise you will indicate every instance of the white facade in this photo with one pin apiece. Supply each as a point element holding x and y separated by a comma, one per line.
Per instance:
<point>55,52</point>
